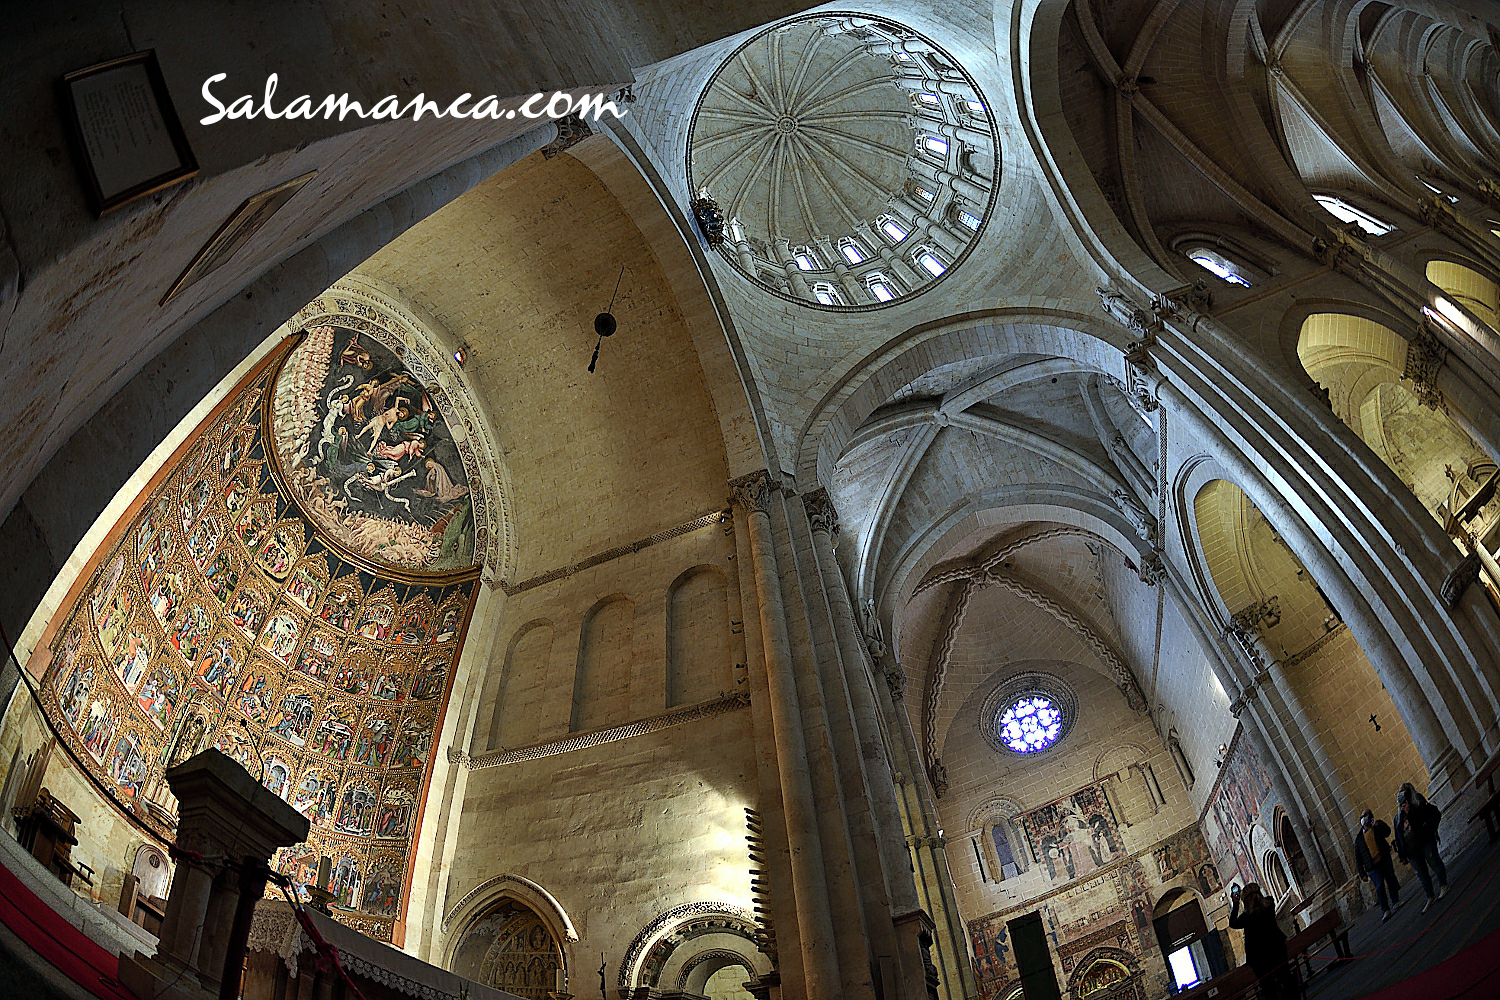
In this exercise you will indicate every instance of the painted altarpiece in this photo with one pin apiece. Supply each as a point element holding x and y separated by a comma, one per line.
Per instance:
<point>221,612</point>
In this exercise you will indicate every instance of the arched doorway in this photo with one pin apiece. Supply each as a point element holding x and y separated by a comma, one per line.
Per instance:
<point>1192,949</point>
<point>510,947</point>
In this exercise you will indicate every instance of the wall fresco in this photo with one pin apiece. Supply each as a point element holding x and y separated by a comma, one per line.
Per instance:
<point>1073,836</point>
<point>370,457</point>
<point>1233,808</point>
<point>219,616</point>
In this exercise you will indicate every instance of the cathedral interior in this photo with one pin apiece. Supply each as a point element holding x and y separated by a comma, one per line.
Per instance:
<point>918,500</point>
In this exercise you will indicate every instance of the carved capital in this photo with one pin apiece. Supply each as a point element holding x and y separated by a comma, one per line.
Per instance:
<point>1153,570</point>
<point>753,492</point>
<point>571,130</point>
<point>1458,581</point>
<point>821,512</point>
<point>1425,356</point>
<point>895,679</point>
<point>1119,307</point>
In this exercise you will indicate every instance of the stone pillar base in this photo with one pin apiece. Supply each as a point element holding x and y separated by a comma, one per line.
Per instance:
<point>149,979</point>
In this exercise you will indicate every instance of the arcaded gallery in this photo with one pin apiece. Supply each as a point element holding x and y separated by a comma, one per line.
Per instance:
<point>665,500</point>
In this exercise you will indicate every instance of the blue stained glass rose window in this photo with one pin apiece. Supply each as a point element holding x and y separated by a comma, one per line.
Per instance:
<point>1030,724</point>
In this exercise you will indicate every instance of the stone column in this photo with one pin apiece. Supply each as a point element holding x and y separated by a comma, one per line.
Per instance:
<point>895,863</point>
<point>752,494</point>
<point>228,827</point>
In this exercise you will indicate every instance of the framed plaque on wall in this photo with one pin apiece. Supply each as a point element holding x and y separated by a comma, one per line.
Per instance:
<point>128,132</point>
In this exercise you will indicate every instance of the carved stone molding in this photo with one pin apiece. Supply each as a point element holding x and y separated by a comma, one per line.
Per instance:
<point>1425,355</point>
<point>1264,612</point>
<point>753,491</point>
<point>821,512</point>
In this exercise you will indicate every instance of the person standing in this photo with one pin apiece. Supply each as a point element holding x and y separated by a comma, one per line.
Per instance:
<point>1416,824</point>
<point>1372,853</point>
<point>1265,943</point>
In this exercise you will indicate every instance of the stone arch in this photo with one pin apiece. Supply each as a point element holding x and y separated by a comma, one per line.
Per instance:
<point>1130,781</point>
<point>512,936</point>
<point>1004,852</point>
<point>152,870</point>
<point>685,938</point>
<point>698,652</point>
<point>998,334</point>
<point>1291,846</point>
<point>1107,971</point>
<point>1464,284</point>
<point>601,687</point>
<point>523,676</point>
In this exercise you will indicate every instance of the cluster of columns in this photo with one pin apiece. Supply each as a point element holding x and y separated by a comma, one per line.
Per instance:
<point>863,869</point>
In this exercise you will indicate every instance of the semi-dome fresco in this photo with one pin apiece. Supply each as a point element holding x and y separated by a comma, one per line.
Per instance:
<point>853,160</point>
<point>368,454</point>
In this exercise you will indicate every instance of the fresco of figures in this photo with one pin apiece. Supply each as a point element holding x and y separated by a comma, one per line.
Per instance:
<point>218,615</point>
<point>1234,807</point>
<point>372,460</point>
<point>1075,835</point>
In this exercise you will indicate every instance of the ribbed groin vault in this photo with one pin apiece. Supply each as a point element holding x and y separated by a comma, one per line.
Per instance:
<point>1039,481</point>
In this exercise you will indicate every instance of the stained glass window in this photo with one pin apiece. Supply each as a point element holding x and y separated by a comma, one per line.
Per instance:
<point>1030,724</point>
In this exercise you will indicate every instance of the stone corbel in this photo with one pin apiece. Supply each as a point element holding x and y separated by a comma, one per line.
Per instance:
<point>821,512</point>
<point>937,774</point>
<point>895,679</point>
<point>1139,517</point>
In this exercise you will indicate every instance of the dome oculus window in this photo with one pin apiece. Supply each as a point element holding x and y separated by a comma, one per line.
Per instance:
<point>1347,213</point>
<point>1031,723</point>
<point>1220,266</point>
<point>838,196</point>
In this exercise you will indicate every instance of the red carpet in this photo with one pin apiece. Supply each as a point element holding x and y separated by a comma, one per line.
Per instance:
<point>1472,974</point>
<point>73,953</point>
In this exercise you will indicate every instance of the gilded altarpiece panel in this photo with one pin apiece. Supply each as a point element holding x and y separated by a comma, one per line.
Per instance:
<point>221,613</point>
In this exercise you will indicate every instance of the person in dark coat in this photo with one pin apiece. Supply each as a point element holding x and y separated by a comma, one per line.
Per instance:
<point>1372,853</point>
<point>1416,824</point>
<point>1265,944</point>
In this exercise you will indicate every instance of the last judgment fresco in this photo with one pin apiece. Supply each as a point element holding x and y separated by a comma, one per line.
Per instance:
<point>368,454</point>
<point>218,616</point>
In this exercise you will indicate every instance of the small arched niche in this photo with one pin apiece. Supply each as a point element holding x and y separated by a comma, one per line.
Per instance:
<point>698,657</point>
<point>511,947</point>
<point>601,689</point>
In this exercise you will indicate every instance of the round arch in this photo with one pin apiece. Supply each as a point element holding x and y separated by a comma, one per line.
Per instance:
<point>678,943</point>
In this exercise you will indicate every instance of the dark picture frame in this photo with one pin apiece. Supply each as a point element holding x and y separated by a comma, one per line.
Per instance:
<point>129,138</point>
<point>243,223</point>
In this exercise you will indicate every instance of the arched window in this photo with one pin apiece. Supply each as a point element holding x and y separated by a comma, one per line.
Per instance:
<point>807,260</point>
<point>893,230</point>
<point>926,100</point>
<point>852,252</point>
<point>1000,836</point>
<point>880,288</point>
<point>968,219</point>
<point>931,262</point>
<point>923,193</point>
<point>935,145</point>
<point>1346,213</point>
<point>827,294</point>
<point>975,108</point>
<point>1220,266</point>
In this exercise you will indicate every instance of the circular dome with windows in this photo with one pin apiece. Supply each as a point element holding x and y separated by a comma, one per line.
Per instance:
<point>852,160</point>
